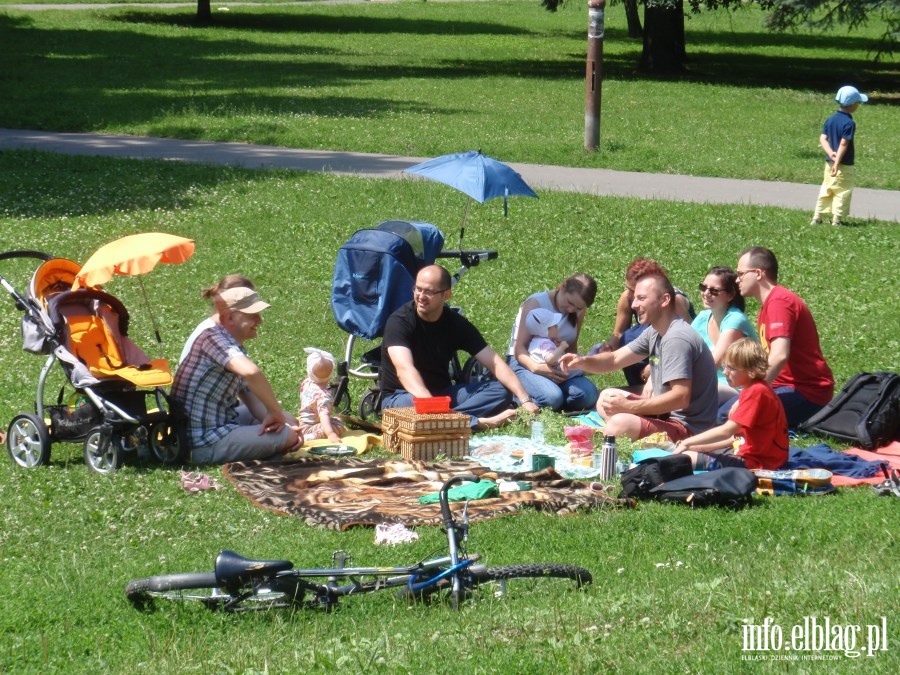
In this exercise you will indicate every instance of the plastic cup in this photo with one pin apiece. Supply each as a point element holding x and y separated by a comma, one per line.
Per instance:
<point>539,462</point>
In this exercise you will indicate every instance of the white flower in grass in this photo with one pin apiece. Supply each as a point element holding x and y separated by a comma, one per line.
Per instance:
<point>620,570</point>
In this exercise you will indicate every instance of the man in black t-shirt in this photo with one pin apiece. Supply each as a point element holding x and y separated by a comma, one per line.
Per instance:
<point>421,338</point>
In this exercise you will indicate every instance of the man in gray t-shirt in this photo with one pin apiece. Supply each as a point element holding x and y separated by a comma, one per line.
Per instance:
<point>684,396</point>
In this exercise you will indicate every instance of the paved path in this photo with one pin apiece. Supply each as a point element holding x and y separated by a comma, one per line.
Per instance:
<point>879,204</point>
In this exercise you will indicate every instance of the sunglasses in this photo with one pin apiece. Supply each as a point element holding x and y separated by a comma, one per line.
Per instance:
<point>709,289</point>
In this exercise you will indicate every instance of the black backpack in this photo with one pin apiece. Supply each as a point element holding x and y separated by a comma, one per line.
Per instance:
<point>732,487</point>
<point>639,480</point>
<point>865,412</point>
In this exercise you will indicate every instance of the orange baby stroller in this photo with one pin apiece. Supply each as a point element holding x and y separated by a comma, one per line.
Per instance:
<point>118,404</point>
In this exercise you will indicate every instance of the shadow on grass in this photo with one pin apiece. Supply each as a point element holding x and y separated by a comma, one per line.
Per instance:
<point>42,185</point>
<point>277,22</point>
<point>97,79</point>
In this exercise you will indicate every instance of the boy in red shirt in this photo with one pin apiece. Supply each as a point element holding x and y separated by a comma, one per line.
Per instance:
<point>756,433</point>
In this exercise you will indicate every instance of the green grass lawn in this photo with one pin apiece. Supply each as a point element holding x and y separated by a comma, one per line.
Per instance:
<point>423,79</point>
<point>673,587</point>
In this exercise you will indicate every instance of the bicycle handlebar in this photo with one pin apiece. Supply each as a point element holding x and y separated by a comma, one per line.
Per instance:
<point>445,504</point>
<point>469,258</point>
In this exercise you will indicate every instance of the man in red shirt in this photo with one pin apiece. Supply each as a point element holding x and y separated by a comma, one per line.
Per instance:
<point>797,369</point>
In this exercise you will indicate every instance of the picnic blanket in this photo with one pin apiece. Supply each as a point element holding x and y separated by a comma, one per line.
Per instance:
<point>339,494</point>
<point>839,463</point>
<point>505,453</point>
<point>890,455</point>
<point>850,467</point>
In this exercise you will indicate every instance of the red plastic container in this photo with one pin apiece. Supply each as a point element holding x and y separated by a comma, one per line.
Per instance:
<point>433,404</point>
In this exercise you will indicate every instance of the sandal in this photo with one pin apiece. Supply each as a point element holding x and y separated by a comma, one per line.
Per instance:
<point>890,485</point>
<point>394,533</point>
<point>198,482</point>
<point>600,487</point>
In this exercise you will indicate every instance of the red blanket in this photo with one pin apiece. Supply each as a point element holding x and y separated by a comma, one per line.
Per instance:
<point>889,454</point>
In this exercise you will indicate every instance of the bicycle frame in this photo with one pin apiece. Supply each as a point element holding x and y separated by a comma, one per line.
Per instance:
<point>235,573</point>
<point>239,584</point>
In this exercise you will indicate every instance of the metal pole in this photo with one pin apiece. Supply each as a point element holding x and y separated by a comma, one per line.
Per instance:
<point>593,78</point>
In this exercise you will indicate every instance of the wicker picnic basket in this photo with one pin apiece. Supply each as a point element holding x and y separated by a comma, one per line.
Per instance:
<point>425,436</point>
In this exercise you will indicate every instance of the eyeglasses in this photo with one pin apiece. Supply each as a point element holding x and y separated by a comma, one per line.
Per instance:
<point>427,293</point>
<point>709,289</point>
<point>740,274</point>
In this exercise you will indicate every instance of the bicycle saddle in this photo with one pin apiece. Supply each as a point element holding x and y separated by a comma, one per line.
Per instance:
<point>232,568</point>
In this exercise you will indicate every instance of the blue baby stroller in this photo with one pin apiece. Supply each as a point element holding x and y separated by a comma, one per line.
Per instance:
<point>373,276</point>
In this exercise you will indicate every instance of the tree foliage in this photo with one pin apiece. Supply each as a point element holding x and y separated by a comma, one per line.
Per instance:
<point>824,15</point>
<point>818,15</point>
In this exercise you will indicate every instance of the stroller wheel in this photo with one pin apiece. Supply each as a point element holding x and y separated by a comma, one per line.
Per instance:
<point>370,405</point>
<point>342,403</point>
<point>100,454</point>
<point>165,445</point>
<point>28,441</point>
<point>473,372</point>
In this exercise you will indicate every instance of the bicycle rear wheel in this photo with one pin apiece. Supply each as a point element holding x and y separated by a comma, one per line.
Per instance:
<point>192,586</point>
<point>202,587</point>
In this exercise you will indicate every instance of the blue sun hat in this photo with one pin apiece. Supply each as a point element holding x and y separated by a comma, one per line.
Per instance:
<point>849,95</point>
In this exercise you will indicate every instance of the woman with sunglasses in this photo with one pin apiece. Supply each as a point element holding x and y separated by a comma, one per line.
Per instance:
<point>723,321</point>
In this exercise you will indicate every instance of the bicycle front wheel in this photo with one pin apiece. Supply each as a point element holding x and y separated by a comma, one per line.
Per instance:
<point>533,571</point>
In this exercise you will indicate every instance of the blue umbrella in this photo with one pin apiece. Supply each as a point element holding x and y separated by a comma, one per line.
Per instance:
<point>476,175</point>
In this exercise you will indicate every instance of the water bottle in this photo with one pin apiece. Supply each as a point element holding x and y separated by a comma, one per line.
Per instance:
<point>537,432</point>
<point>608,458</point>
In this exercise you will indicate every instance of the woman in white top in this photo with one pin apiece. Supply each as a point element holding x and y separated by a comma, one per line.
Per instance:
<point>547,386</point>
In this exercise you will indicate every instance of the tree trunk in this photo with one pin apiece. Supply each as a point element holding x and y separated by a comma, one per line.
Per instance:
<point>634,19</point>
<point>204,12</point>
<point>664,47</point>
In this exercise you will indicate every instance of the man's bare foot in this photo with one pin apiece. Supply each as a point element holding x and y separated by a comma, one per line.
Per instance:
<point>497,420</point>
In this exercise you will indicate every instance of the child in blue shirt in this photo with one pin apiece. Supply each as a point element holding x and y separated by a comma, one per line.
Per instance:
<point>837,142</point>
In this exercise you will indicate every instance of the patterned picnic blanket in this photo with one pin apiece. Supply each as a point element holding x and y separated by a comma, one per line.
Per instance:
<point>338,494</point>
<point>505,453</point>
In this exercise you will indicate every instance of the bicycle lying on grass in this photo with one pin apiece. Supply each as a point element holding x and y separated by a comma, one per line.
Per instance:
<point>241,584</point>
